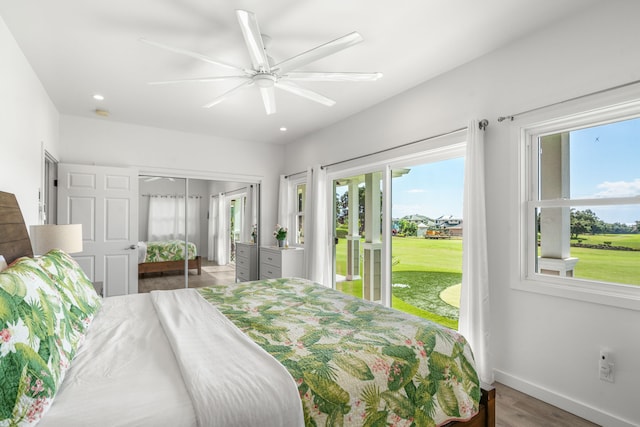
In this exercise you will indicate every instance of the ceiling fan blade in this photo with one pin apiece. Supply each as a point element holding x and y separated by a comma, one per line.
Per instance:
<point>269,99</point>
<point>195,55</point>
<point>225,95</point>
<point>305,93</point>
<point>313,76</point>
<point>319,52</point>
<point>253,40</point>
<point>199,79</point>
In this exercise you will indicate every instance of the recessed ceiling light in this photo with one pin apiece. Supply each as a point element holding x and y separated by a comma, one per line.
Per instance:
<point>283,129</point>
<point>98,97</point>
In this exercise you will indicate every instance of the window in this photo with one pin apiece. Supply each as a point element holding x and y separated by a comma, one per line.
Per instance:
<point>582,220</point>
<point>301,191</point>
<point>297,198</point>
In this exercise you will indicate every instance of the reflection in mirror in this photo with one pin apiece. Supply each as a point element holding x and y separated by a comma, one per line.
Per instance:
<point>192,241</point>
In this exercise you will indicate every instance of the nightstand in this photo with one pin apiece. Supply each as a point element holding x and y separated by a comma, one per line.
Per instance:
<point>98,287</point>
<point>246,262</point>
<point>278,262</point>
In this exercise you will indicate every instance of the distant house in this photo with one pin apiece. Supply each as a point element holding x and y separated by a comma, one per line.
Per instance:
<point>452,225</point>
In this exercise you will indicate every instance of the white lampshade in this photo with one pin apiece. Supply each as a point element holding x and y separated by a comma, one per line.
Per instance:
<point>66,237</point>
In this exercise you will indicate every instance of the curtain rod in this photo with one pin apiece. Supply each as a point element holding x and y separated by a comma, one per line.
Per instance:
<point>598,92</point>
<point>234,191</point>
<point>293,174</point>
<point>482,124</point>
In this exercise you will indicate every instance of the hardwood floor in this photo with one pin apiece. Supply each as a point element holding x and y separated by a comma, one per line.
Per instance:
<point>516,409</point>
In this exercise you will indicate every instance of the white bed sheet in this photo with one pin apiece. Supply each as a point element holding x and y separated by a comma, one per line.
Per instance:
<point>113,382</point>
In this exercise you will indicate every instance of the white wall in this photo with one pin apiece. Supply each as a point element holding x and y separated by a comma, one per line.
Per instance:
<point>28,121</point>
<point>544,345</point>
<point>106,142</point>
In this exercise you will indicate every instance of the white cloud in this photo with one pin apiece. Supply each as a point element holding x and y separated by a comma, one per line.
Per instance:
<point>416,190</point>
<point>619,188</point>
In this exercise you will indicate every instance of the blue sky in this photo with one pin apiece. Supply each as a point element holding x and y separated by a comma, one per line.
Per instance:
<point>432,189</point>
<point>605,162</point>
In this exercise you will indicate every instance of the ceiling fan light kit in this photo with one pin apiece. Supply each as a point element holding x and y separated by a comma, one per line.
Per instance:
<point>267,76</point>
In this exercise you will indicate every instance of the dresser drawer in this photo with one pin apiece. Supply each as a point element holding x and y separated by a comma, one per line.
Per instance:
<point>269,271</point>
<point>243,251</point>
<point>243,263</point>
<point>243,275</point>
<point>270,257</point>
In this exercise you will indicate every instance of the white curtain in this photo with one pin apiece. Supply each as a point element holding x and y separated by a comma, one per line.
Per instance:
<point>222,232</point>
<point>474,298</point>
<point>212,233</point>
<point>249,217</point>
<point>283,203</point>
<point>317,233</point>
<point>167,218</point>
<point>238,217</point>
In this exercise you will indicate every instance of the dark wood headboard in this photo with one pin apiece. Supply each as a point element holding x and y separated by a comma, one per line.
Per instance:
<point>14,238</point>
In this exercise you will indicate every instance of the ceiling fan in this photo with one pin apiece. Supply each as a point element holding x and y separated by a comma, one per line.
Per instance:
<point>266,74</point>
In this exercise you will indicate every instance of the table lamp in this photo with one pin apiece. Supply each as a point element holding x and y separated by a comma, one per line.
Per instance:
<point>66,237</point>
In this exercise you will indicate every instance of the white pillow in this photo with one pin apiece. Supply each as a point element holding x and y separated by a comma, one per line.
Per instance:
<point>3,263</point>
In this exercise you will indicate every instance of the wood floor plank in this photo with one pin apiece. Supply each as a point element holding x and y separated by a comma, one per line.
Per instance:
<point>516,409</point>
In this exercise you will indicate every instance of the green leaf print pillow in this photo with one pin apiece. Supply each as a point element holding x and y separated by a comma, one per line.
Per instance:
<point>35,343</point>
<point>76,290</point>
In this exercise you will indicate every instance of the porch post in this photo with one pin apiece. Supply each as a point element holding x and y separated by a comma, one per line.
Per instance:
<point>372,278</point>
<point>353,236</point>
<point>555,223</point>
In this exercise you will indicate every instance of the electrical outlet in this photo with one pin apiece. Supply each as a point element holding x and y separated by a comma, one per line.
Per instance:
<point>605,366</point>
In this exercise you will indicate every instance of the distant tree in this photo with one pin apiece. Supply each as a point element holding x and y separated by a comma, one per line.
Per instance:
<point>342,208</point>
<point>408,228</point>
<point>583,222</point>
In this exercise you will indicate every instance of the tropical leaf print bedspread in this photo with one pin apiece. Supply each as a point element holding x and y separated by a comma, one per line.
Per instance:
<point>169,250</point>
<point>355,362</point>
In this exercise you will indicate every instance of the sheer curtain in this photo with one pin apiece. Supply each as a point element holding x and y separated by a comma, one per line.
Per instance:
<point>222,231</point>
<point>317,244</point>
<point>474,297</point>
<point>212,232</point>
<point>283,203</point>
<point>167,218</point>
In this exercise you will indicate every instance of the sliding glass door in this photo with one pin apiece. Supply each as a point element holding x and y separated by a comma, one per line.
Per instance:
<point>398,231</point>
<point>426,243</point>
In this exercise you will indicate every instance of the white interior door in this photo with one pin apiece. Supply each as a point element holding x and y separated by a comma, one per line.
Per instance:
<point>105,201</point>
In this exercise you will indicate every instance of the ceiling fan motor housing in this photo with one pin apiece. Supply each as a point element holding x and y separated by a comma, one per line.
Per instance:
<point>265,79</point>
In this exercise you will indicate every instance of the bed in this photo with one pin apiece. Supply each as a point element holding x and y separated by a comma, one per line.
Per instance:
<point>280,352</point>
<point>166,256</point>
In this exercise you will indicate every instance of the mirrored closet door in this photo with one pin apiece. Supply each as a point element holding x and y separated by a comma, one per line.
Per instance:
<point>191,231</point>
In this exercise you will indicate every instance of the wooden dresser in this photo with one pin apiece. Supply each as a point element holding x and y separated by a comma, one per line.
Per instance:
<point>281,262</point>
<point>246,262</point>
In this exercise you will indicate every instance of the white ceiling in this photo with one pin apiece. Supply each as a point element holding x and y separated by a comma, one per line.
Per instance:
<point>79,47</point>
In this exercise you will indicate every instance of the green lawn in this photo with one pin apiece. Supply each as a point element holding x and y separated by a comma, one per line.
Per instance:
<point>607,265</point>
<point>429,266</point>
<point>628,240</point>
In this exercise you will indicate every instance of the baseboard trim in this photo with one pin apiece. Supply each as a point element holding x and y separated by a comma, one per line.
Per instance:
<point>563,402</point>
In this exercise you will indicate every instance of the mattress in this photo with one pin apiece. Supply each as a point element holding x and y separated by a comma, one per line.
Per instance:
<point>169,358</point>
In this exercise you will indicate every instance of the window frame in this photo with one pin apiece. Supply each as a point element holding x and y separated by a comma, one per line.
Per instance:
<point>294,214</point>
<point>548,122</point>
